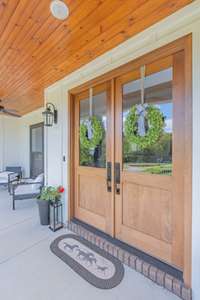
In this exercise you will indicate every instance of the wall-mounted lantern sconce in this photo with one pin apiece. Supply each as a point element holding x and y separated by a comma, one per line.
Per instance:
<point>50,115</point>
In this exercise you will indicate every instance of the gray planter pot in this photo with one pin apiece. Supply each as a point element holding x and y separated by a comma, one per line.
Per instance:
<point>43,211</point>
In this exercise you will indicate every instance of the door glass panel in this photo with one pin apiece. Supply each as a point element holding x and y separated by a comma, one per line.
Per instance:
<point>95,156</point>
<point>37,139</point>
<point>36,150</point>
<point>155,158</point>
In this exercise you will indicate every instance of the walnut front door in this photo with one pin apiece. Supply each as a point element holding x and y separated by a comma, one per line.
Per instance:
<point>93,170</point>
<point>150,179</point>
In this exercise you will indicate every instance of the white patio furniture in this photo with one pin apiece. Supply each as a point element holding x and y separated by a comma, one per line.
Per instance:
<point>27,188</point>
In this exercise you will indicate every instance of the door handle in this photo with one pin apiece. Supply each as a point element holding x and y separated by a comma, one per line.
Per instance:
<point>117,178</point>
<point>109,176</point>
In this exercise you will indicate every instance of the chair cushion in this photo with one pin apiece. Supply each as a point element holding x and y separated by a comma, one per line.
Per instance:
<point>3,180</point>
<point>4,175</point>
<point>27,180</point>
<point>39,178</point>
<point>27,189</point>
<point>30,188</point>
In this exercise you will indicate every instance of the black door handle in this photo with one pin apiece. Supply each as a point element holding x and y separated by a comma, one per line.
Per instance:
<point>117,178</point>
<point>109,176</point>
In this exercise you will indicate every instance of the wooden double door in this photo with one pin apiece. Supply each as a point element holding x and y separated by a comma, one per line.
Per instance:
<point>131,192</point>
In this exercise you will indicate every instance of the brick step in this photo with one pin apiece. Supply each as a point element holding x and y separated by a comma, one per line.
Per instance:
<point>158,276</point>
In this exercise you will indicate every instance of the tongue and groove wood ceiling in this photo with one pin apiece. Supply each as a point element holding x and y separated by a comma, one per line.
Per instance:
<point>36,49</point>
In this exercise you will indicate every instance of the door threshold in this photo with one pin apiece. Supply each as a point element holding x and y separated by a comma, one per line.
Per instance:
<point>132,250</point>
<point>159,272</point>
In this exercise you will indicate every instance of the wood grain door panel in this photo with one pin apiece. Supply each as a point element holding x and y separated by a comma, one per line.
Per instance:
<point>93,201</point>
<point>149,208</point>
<point>144,215</point>
<point>92,197</point>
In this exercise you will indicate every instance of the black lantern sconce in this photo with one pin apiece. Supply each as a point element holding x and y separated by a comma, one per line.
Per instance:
<point>50,115</point>
<point>56,215</point>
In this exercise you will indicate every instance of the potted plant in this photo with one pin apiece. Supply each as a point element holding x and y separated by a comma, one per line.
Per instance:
<point>48,194</point>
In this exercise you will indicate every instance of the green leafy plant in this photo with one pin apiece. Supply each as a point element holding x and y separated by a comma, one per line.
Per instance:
<point>155,121</point>
<point>50,193</point>
<point>97,134</point>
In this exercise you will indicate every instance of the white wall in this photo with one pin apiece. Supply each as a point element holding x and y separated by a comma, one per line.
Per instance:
<point>196,166</point>
<point>183,22</point>
<point>1,143</point>
<point>14,140</point>
<point>55,145</point>
<point>9,153</point>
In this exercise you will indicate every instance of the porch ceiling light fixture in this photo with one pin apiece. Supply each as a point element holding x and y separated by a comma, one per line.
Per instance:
<point>50,115</point>
<point>59,9</point>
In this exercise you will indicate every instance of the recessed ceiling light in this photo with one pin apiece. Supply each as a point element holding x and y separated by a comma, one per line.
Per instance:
<point>59,9</point>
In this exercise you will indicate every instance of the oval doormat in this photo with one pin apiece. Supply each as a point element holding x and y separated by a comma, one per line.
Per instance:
<point>98,267</point>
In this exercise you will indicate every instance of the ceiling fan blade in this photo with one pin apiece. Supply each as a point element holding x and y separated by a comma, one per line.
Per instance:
<point>10,113</point>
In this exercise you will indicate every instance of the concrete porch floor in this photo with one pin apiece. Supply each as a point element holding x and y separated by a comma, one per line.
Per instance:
<point>29,271</point>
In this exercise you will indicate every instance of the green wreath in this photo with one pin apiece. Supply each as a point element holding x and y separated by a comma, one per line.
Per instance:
<point>97,133</point>
<point>155,120</point>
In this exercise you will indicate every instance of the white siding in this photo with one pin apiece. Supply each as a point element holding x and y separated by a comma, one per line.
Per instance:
<point>14,140</point>
<point>196,167</point>
<point>9,143</point>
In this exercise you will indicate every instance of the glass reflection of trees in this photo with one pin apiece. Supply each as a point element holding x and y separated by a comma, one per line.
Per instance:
<point>94,157</point>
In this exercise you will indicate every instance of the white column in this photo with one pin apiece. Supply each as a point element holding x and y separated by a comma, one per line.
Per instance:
<point>196,168</point>
<point>65,149</point>
<point>53,142</point>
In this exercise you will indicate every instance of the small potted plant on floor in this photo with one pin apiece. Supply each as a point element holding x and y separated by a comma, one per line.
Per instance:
<point>48,194</point>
